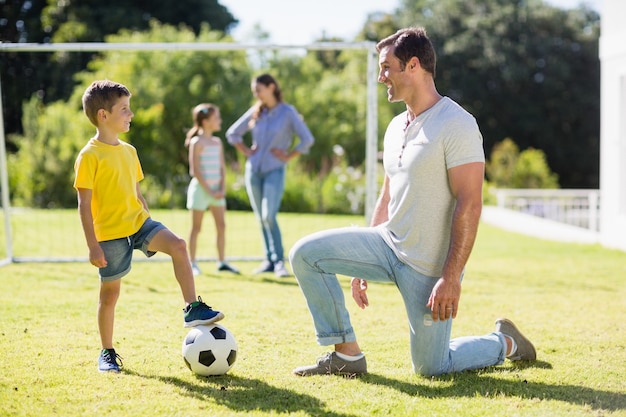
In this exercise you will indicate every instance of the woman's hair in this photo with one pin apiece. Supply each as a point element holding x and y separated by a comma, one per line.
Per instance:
<point>199,114</point>
<point>266,80</point>
<point>412,42</point>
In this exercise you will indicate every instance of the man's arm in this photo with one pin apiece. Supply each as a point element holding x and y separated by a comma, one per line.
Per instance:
<point>466,183</point>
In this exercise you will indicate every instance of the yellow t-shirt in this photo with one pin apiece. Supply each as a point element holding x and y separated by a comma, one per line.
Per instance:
<point>112,173</point>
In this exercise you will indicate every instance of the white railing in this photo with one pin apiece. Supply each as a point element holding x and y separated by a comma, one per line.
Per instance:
<point>575,207</point>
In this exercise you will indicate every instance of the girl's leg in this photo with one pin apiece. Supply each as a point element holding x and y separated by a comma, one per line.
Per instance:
<point>196,226</point>
<point>220,227</point>
<point>109,294</point>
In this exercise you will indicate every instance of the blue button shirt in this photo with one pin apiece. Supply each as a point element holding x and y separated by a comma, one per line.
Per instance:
<point>275,128</point>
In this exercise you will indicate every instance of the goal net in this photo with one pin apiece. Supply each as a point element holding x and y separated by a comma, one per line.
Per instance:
<point>51,233</point>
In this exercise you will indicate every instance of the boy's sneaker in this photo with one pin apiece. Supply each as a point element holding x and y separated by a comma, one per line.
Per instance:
<point>525,350</point>
<point>195,269</point>
<point>224,266</point>
<point>280,271</point>
<point>108,361</point>
<point>331,364</point>
<point>198,313</point>
<point>266,266</point>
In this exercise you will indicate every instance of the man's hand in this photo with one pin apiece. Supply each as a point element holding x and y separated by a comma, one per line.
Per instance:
<point>359,287</point>
<point>444,299</point>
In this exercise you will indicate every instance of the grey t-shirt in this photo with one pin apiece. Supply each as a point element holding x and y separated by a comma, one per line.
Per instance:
<point>417,161</point>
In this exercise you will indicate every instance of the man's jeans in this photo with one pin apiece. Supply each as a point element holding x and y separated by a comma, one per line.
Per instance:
<point>362,253</point>
<point>265,191</point>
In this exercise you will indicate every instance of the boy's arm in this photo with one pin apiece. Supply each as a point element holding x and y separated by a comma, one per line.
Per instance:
<point>144,203</point>
<point>96,255</point>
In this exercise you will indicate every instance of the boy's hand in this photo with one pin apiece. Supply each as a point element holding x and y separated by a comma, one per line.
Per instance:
<point>96,257</point>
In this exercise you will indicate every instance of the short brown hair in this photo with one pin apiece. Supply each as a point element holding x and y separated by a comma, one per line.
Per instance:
<point>102,94</point>
<point>411,42</point>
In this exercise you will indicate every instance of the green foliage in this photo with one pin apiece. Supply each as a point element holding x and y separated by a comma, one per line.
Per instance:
<point>512,64</point>
<point>508,168</point>
<point>42,170</point>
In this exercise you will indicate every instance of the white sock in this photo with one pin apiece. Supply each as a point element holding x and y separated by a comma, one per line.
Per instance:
<point>350,358</point>
<point>513,346</point>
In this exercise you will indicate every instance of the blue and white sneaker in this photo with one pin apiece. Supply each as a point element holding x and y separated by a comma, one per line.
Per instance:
<point>108,361</point>
<point>198,313</point>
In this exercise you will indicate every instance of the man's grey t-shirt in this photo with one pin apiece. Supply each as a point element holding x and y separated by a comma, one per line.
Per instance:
<point>421,203</point>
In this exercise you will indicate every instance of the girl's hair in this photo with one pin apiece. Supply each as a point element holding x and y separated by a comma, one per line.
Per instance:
<point>199,114</point>
<point>266,80</point>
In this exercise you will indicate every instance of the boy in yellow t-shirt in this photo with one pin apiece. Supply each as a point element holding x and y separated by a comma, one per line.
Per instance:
<point>115,216</point>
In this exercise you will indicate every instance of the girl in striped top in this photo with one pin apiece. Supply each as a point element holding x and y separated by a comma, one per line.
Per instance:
<point>206,188</point>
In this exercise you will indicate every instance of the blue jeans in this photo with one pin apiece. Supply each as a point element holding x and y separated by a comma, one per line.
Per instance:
<point>265,191</point>
<point>361,252</point>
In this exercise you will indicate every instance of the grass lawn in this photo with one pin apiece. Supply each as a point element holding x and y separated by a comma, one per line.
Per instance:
<point>569,299</point>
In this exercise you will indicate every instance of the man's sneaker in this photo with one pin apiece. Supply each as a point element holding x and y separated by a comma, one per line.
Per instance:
<point>224,266</point>
<point>279,270</point>
<point>525,350</point>
<point>195,269</point>
<point>198,313</point>
<point>333,364</point>
<point>108,361</point>
<point>266,266</point>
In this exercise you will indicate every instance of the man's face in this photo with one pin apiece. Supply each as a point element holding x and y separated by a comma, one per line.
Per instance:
<point>392,74</point>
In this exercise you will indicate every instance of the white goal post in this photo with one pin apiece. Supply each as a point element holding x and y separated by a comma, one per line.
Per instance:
<point>371,136</point>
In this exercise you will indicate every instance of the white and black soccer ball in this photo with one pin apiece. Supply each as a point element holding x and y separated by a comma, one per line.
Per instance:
<point>209,350</point>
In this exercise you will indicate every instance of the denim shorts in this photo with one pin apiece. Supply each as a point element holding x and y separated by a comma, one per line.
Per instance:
<point>119,252</point>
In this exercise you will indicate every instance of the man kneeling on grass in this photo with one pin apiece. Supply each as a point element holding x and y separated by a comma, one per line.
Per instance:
<point>423,230</point>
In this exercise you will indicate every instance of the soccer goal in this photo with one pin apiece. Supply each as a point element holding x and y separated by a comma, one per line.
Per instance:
<point>29,230</point>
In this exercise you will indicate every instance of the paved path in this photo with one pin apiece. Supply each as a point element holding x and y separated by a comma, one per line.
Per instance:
<point>527,224</point>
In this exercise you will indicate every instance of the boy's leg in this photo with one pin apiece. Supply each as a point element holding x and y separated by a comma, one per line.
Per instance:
<point>167,242</point>
<point>109,294</point>
<point>196,312</point>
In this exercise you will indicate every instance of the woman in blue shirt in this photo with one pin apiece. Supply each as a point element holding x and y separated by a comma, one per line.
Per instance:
<point>274,124</point>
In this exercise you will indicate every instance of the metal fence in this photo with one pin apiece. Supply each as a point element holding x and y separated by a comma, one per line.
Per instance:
<point>575,207</point>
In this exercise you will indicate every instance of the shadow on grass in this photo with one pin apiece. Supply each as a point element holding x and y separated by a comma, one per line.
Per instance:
<point>472,384</point>
<point>245,395</point>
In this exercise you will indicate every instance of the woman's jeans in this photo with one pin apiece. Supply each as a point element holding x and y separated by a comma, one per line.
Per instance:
<point>362,253</point>
<point>265,191</point>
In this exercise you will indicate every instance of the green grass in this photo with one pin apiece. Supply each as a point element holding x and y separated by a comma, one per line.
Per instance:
<point>568,298</point>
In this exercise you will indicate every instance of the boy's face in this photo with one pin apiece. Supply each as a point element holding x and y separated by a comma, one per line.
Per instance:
<point>118,119</point>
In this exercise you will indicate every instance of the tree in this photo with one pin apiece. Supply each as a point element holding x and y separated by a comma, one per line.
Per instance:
<point>525,70</point>
<point>50,75</point>
<point>164,86</point>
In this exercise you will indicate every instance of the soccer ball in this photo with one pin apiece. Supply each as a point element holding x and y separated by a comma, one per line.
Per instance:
<point>209,350</point>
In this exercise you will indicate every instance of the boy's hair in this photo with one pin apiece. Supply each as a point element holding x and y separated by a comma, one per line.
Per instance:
<point>411,42</point>
<point>102,94</point>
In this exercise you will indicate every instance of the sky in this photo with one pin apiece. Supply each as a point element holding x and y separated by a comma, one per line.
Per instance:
<point>292,22</point>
